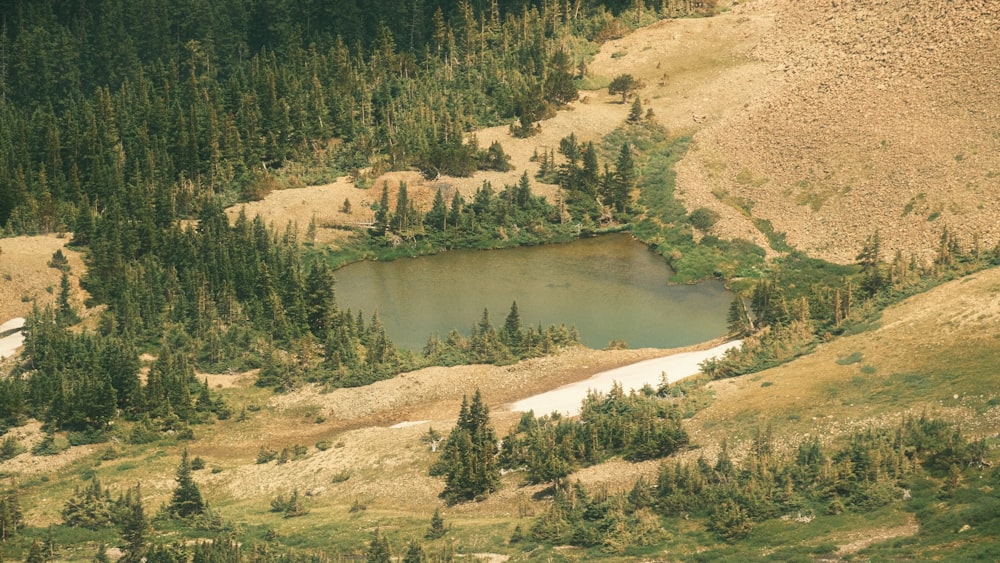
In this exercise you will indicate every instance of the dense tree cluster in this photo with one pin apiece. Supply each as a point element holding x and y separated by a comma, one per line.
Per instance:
<point>487,345</point>
<point>104,104</point>
<point>513,213</point>
<point>591,195</point>
<point>638,426</point>
<point>82,381</point>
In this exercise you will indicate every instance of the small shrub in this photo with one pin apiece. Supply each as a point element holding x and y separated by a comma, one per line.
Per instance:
<point>291,507</point>
<point>324,445</point>
<point>848,360</point>
<point>59,261</point>
<point>341,476</point>
<point>197,463</point>
<point>46,447</point>
<point>358,506</point>
<point>703,218</point>
<point>10,448</point>
<point>266,454</point>
<point>89,436</point>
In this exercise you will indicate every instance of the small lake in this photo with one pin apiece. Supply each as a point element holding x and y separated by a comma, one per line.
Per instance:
<point>609,287</point>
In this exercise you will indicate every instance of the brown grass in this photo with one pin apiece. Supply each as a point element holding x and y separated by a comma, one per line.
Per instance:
<point>26,278</point>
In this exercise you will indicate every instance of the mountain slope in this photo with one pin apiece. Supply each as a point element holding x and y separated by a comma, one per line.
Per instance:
<point>879,114</point>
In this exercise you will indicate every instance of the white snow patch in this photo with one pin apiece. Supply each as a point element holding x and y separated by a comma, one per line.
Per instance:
<point>568,398</point>
<point>11,342</point>
<point>407,423</point>
<point>16,323</point>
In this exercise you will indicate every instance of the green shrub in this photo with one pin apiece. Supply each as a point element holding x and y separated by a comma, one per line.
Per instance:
<point>848,360</point>
<point>703,218</point>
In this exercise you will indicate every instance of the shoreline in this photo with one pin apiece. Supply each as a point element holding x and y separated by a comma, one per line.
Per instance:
<point>567,399</point>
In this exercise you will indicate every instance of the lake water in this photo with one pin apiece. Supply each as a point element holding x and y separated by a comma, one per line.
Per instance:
<point>609,287</point>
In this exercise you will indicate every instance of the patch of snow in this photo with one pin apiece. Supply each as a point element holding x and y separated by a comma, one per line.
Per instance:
<point>568,398</point>
<point>11,342</point>
<point>407,423</point>
<point>16,323</point>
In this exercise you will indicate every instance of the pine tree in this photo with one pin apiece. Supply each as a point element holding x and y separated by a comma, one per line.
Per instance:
<point>11,517</point>
<point>738,319</point>
<point>415,553</point>
<point>635,112</point>
<point>437,217</point>
<point>469,460</point>
<point>870,260</point>
<point>624,179</point>
<point>186,500</point>
<point>437,528</point>
<point>320,298</point>
<point>36,554</point>
<point>512,334</point>
<point>378,549</point>
<point>65,315</point>
<point>102,554</point>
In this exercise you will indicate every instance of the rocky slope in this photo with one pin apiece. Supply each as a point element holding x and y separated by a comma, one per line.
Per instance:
<point>878,114</point>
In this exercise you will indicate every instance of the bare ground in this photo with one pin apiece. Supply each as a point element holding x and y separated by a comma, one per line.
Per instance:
<point>26,278</point>
<point>875,115</point>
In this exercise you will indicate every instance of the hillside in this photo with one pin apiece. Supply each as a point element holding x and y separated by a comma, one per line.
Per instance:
<point>876,115</point>
<point>827,120</point>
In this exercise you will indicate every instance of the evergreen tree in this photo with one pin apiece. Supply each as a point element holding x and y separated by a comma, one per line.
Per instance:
<point>512,334</point>
<point>469,460</point>
<point>437,217</point>
<point>65,315</point>
<point>415,553</point>
<point>870,260</point>
<point>11,517</point>
<point>36,554</point>
<point>378,549</point>
<point>437,528</point>
<point>102,554</point>
<point>635,112</point>
<point>90,508</point>
<point>320,298</point>
<point>737,318</point>
<point>133,524</point>
<point>624,179</point>
<point>186,500</point>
